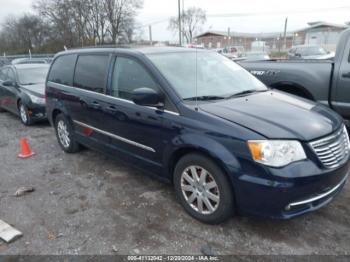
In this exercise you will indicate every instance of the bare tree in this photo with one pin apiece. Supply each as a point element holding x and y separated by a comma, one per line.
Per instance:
<point>120,16</point>
<point>59,14</point>
<point>24,33</point>
<point>98,21</point>
<point>81,15</point>
<point>70,23</point>
<point>192,21</point>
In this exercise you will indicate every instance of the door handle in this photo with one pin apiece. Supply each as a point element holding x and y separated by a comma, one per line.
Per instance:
<point>112,109</point>
<point>347,75</point>
<point>95,105</point>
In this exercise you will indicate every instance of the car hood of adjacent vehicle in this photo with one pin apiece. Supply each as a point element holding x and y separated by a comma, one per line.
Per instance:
<point>277,115</point>
<point>37,89</point>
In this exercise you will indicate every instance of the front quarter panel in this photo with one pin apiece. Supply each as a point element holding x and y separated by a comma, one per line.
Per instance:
<point>219,139</point>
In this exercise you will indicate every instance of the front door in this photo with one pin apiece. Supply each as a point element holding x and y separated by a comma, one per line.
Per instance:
<point>8,93</point>
<point>12,91</point>
<point>342,88</point>
<point>134,129</point>
<point>3,89</point>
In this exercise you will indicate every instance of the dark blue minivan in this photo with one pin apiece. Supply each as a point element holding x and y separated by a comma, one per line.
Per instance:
<point>196,119</point>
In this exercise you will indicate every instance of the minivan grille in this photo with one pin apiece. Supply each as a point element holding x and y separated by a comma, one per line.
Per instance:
<point>333,149</point>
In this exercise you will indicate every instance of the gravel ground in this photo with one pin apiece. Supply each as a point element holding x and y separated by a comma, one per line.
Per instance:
<point>89,204</point>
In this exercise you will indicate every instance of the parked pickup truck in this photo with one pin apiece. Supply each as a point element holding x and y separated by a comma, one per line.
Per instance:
<point>325,81</point>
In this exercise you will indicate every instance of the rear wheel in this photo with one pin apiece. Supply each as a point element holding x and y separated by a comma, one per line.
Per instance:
<point>203,189</point>
<point>65,134</point>
<point>24,114</point>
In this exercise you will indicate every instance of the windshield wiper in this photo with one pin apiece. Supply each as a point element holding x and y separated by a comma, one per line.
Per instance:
<point>29,84</point>
<point>245,92</point>
<point>204,98</point>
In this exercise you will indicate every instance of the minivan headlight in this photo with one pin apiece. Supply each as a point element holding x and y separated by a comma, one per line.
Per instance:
<point>37,100</point>
<point>276,153</point>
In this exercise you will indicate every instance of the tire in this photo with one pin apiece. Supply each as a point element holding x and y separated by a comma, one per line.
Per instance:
<point>65,135</point>
<point>2,110</point>
<point>220,196</point>
<point>26,119</point>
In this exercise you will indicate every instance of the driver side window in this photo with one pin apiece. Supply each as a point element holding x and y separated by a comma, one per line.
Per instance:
<point>129,75</point>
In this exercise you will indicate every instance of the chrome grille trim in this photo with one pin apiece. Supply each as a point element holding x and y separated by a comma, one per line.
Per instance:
<point>334,149</point>
<point>310,200</point>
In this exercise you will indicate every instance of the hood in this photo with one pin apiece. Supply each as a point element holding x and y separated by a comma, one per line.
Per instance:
<point>37,89</point>
<point>277,115</point>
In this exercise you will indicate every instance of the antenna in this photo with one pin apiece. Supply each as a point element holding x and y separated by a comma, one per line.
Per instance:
<point>196,82</point>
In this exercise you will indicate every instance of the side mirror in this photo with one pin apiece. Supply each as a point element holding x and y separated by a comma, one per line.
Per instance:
<point>145,96</point>
<point>8,83</point>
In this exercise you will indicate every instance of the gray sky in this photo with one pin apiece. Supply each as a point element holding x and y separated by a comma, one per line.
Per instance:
<point>299,12</point>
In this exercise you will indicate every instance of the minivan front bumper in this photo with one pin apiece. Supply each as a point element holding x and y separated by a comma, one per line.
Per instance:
<point>318,199</point>
<point>284,198</point>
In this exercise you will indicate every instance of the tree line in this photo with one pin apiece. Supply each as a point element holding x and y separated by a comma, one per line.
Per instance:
<point>56,24</point>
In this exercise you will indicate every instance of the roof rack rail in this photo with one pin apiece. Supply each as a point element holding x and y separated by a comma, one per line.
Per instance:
<point>104,46</point>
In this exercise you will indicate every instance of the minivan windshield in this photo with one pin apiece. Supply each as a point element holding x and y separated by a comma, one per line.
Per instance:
<point>216,76</point>
<point>32,76</point>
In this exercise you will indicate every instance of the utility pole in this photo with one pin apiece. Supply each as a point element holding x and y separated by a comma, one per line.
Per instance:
<point>285,33</point>
<point>180,31</point>
<point>228,37</point>
<point>150,34</point>
<point>183,21</point>
<point>279,44</point>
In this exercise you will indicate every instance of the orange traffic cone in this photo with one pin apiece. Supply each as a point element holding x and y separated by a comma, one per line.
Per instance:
<point>26,152</point>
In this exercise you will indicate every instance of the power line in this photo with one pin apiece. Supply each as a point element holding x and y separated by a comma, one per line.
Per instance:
<point>228,15</point>
<point>280,12</point>
<point>152,23</point>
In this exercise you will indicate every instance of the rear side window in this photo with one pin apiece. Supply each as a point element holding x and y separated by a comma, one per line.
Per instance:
<point>91,72</point>
<point>62,70</point>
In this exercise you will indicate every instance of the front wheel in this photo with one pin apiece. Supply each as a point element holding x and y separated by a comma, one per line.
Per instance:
<point>65,135</point>
<point>203,189</point>
<point>24,115</point>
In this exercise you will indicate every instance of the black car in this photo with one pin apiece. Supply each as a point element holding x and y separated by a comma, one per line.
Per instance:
<point>309,52</point>
<point>22,91</point>
<point>196,119</point>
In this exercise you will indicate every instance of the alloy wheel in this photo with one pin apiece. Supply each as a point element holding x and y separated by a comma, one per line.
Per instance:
<point>63,134</point>
<point>23,113</point>
<point>200,190</point>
